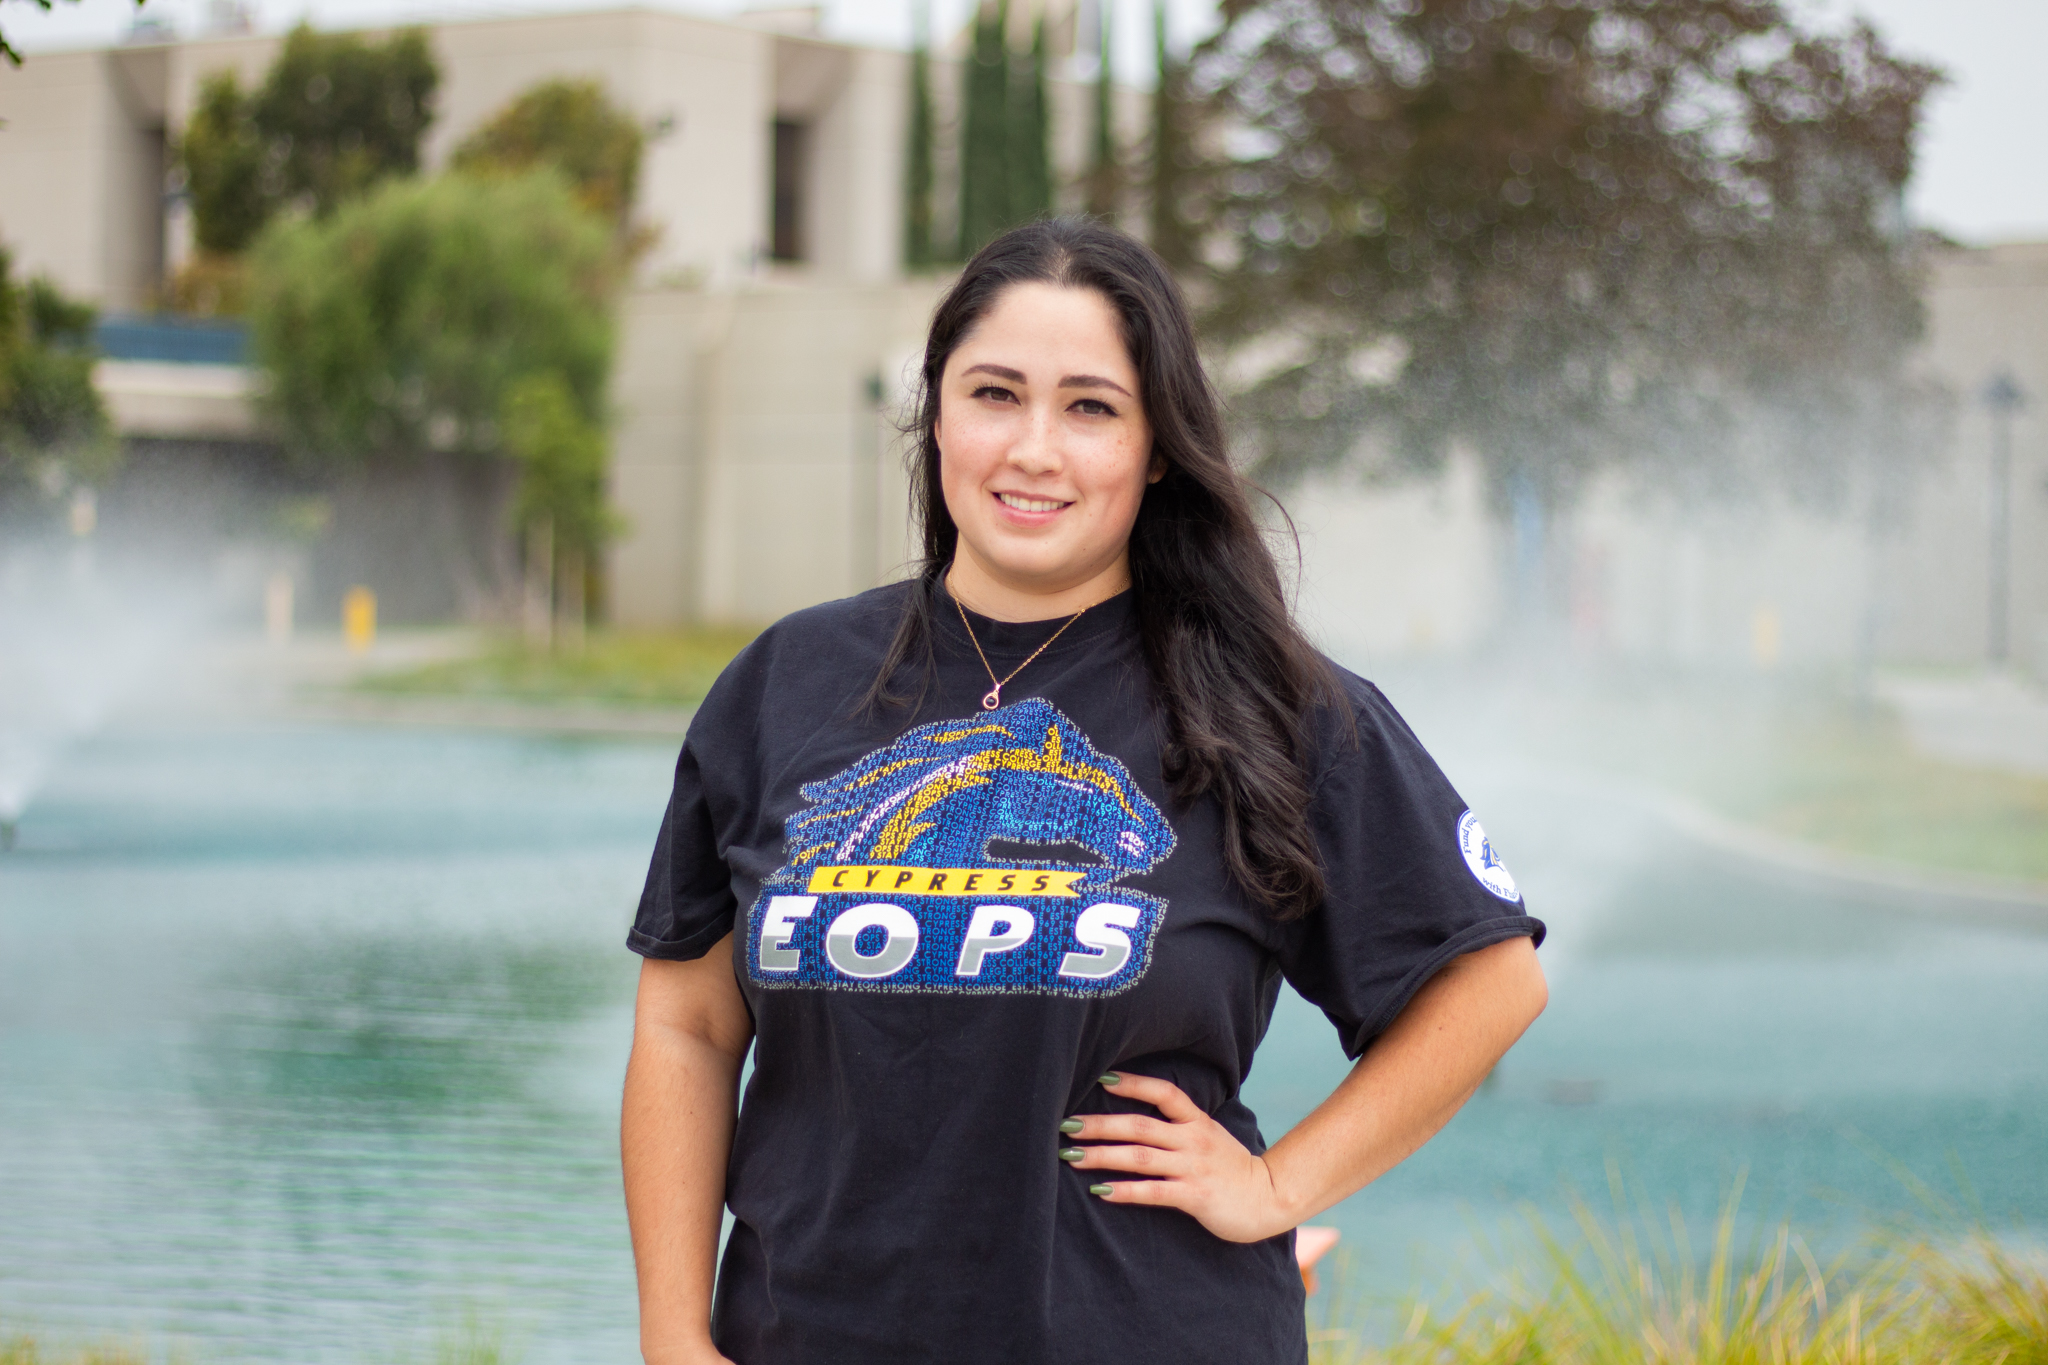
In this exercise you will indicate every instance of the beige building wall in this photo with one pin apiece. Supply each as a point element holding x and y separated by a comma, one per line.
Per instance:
<point>756,462</point>
<point>81,171</point>
<point>1394,571</point>
<point>1987,314</point>
<point>1419,569</point>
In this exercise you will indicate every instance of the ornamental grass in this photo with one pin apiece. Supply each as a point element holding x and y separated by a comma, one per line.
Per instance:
<point>1631,1290</point>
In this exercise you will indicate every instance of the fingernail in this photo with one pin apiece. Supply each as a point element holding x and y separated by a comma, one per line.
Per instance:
<point>1104,1190</point>
<point>1070,1125</point>
<point>1072,1153</point>
<point>1111,1078</point>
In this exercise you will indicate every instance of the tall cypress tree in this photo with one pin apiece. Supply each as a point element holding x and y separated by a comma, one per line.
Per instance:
<point>984,151</point>
<point>1102,173</point>
<point>1030,176</point>
<point>1169,233</point>
<point>919,250</point>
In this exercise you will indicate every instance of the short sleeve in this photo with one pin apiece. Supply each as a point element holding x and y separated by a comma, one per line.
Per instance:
<point>1411,880</point>
<point>687,904</point>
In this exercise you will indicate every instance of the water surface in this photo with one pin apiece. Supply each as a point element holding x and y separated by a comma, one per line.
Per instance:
<point>310,1042</point>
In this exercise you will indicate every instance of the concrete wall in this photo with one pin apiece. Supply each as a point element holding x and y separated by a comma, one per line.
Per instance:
<point>1389,572</point>
<point>756,470</point>
<point>81,171</point>
<point>1987,313</point>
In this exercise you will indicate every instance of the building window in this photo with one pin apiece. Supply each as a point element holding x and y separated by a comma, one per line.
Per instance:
<point>792,142</point>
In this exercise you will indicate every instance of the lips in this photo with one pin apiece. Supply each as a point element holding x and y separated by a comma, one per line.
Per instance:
<point>1018,502</point>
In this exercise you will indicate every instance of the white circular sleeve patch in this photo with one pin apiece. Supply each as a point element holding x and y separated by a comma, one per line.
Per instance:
<point>1484,862</point>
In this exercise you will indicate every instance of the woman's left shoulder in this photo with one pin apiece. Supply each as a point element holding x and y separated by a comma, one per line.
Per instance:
<point>1355,724</point>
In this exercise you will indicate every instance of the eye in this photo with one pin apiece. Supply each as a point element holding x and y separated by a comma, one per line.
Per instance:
<point>995,393</point>
<point>1094,407</point>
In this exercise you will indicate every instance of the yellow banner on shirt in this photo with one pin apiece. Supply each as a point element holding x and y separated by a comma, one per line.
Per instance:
<point>942,881</point>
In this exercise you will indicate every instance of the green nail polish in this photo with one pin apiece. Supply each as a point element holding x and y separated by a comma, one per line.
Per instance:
<point>1070,1125</point>
<point>1072,1153</point>
<point>1111,1078</point>
<point>1103,1190</point>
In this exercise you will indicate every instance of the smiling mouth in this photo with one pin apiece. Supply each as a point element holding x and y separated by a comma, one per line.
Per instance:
<point>1024,504</point>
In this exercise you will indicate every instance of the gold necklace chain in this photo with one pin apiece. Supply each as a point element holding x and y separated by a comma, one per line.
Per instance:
<point>994,696</point>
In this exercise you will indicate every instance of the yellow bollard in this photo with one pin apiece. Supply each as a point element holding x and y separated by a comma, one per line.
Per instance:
<point>359,618</point>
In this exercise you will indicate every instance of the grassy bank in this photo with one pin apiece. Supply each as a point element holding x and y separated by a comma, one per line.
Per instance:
<point>1855,784</point>
<point>1627,1291</point>
<point>1633,1292</point>
<point>470,1347</point>
<point>1806,760</point>
<point>613,668</point>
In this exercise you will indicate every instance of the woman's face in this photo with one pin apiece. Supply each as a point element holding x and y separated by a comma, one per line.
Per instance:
<point>1044,453</point>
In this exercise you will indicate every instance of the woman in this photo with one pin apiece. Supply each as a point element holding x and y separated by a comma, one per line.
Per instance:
<point>998,871</point>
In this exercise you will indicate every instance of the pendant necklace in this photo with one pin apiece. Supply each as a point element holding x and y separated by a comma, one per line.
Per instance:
<point>994,698</point>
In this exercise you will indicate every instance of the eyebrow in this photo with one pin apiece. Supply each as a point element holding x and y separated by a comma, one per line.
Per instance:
<point>1072,381</point>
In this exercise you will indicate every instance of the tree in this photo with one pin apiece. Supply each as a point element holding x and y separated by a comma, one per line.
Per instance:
<point>1104,175</point>
<point>571,126</point>
<point>224,159</point>
<point>399,330</point>
<point>333,116</point>
<point>51,417</point>
<point>396,326</point>
<point>920,248</point>
<point>339,114</point>
<point>1170,150</point>
<point>560,508</point>
<point>1567,233</point>
<point>1005,167</point>
<point>985,141</point>
<point>1030,171</point>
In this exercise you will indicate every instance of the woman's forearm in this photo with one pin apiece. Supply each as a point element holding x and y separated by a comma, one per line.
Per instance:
<point>1412,1079</point>
<point>675,1134</point>
<point>1408,1084</point>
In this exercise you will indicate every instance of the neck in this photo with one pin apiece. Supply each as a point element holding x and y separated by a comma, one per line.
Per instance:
<point>993,596</point>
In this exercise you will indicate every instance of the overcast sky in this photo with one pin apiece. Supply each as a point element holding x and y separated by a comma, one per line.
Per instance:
<point>1982,175</point>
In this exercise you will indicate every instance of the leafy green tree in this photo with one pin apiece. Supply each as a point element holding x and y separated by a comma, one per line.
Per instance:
<point>224,160</point>
<point>985,141</point>
<point>333,116</point>
<point>560,507</point>
<point>920,249</point>
<point>562,456</point>
<point>1567,234</point>
<point>571,126</point>
<point>397,325</point>
<point>49,411</point>
<point>337,114</point>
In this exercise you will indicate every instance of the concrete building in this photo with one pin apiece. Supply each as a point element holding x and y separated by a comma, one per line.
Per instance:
<point>1412,570</point>
<point>766,327</point>
<point>755,464</point>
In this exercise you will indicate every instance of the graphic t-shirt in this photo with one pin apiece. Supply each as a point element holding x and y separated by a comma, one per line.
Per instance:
<point>949,924</point>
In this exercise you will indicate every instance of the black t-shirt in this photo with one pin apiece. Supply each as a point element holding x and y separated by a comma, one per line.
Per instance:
<point>954,923</point>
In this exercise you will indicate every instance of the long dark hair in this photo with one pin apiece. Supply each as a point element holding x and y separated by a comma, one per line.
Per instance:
<point>1234,677</point>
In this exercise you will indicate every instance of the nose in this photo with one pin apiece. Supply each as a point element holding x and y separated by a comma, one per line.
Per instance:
<point>1036,450</point>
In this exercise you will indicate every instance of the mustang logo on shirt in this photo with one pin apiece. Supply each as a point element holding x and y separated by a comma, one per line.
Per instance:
<point>912,870</point>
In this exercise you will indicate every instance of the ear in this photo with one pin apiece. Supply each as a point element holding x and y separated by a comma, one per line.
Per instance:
<point>1155,468</point>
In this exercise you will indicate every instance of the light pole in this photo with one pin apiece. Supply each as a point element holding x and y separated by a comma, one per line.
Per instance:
<point>2003,397</point>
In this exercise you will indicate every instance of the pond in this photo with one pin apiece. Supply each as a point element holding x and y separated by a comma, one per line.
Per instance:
<point>311,1038</point>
